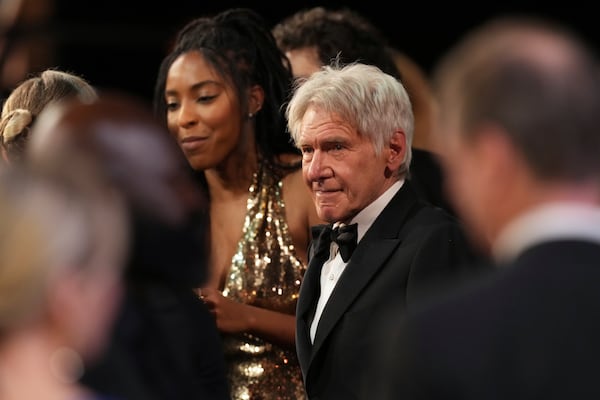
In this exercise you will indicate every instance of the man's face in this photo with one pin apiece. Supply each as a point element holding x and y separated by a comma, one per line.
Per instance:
<point>341,168</point>
<point>469,183</point>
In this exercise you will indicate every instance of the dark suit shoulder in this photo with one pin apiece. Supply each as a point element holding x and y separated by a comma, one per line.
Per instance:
<point>425,216</point>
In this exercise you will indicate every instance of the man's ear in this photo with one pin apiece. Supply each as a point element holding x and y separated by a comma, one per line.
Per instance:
<point>397,150</point>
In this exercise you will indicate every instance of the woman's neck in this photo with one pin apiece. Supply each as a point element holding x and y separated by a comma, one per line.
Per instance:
<point>232,177</point>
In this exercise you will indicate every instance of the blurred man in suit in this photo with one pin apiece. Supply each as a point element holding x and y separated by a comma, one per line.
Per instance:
<point>520,107</point>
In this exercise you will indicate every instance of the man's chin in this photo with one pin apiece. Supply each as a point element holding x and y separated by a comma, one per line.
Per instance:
<point>328,213</point>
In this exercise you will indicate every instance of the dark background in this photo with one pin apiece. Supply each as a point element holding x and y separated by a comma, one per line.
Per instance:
<point>119,44</point>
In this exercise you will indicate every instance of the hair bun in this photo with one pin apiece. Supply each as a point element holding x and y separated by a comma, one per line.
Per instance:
<point>15,123</point>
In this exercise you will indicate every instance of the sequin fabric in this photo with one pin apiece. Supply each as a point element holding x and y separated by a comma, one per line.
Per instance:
<point>265,272</point>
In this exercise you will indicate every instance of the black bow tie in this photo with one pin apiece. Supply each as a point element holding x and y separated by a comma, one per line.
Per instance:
<point>346,238</point>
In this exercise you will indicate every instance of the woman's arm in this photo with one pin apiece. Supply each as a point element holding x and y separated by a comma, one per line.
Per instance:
<point>234,317</point>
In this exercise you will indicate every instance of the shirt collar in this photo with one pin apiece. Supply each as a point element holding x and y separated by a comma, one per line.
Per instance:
<point>560,220</point>
<point>367,216</point>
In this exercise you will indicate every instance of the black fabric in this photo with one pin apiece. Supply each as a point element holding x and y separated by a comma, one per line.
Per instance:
<point>165,344</point>
<point>527,331</point>
<point>346,237</point>
<point>427,177</point>
<point>410,252</point>
<point>171,254</point>
<point>321,241</point>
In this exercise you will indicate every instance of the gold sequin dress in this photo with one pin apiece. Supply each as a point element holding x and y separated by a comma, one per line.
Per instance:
<point>265,272</point>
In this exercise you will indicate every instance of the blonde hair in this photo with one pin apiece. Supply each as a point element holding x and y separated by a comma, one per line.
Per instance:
<point>27,100</point>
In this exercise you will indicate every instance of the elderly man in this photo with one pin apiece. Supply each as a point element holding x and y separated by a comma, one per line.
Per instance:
<point>354,126</point>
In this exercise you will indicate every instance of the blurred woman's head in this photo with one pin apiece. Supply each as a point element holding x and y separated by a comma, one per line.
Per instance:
<point>27,101</point>
<point>120,135</point>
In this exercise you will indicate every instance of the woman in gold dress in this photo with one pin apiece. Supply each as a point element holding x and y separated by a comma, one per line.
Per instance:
<point>220,91</point>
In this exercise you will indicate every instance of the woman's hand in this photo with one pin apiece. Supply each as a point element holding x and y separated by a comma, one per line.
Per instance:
<point>231,316</point>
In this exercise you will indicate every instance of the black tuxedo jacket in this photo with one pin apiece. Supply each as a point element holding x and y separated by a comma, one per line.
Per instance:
<point>410,250</point>
<point>529,331</point>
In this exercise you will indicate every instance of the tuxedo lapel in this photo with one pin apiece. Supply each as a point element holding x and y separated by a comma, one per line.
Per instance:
<point>362,266</point>
<point>318,254</point>
<point>310,290</point>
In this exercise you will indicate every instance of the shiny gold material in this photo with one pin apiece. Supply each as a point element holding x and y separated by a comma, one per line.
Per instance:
<point>265,272</point>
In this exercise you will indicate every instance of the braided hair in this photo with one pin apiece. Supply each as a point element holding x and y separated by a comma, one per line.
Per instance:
<point>238,44</point>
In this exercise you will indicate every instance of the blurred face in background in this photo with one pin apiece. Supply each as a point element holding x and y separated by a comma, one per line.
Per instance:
<point>304,61</point>
<point>474,169</point>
